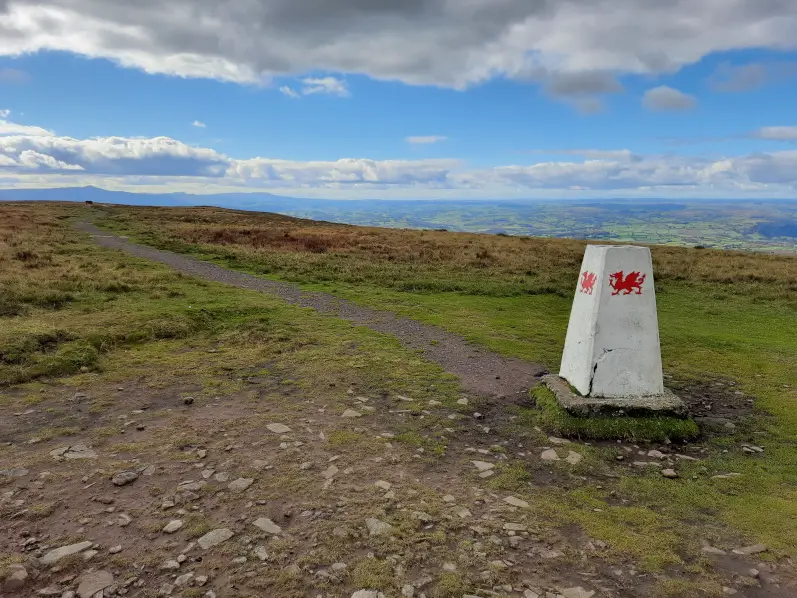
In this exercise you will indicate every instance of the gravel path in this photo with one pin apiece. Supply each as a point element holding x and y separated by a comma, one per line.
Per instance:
<point>480,370</point>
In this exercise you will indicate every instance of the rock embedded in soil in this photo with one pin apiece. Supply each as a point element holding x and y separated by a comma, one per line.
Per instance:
<point>240,484</point>
<point>367,594</point>
<point>172,526</point>
<point>124,477</point>
<point>267,525</point>
<point>669,473</point>
<point>17,578</point>
<point>170,565</point>
<point>483,465</point>
<point>383,485</point>
<point>91,583</point>
<point>261,553</point>
<point>549,455</point>
<point>754,549</point>
<point>215,537</point>
<point>516,502</point>
<point>330,472</point>
<point>17,472</point>
<point>574,458</point>
<point>76,451</point>
<point>351,413</point>
<point>377,527</point>
<point>578,592</point>
<point>57,554</point>
<point>278,428</point>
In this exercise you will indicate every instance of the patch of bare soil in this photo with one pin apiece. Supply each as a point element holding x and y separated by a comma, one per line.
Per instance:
<point>319,504</point>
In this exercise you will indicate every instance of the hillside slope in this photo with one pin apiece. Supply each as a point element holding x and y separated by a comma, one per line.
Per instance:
<point>181,382</point>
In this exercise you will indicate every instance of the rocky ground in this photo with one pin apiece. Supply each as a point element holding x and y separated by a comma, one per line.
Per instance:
<point>163,494</point>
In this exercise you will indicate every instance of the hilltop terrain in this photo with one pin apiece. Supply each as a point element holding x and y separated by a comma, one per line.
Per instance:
<point>751,225</point>
<point>190,438</point>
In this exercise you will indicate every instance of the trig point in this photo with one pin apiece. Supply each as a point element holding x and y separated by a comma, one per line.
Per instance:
<point>612,355</point>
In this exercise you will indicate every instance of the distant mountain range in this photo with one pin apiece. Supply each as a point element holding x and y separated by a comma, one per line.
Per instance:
<point>98,195</point>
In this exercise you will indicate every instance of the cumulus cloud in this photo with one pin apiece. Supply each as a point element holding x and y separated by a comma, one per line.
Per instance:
<point>666,98</point>
<point>426,42</point>
<point>31,155</point>
<point>198,124</point>
<point>425,139</point>
<point>9,128</point>
<point>327,85</point>
<point>776,133</point>
<point>345,171</point>
<point>109,156</point>
<point>322,85</point>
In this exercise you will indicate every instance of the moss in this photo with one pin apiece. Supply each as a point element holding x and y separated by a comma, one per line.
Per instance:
<point>373,574</point>
<point>450,585</point>
<point>511,476</point>
<point>555,420</point>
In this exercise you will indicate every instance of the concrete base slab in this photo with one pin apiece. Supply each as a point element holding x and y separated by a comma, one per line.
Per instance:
<point>574,404</point>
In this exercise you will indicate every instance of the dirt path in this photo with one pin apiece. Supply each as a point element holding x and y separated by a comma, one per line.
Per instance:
<point>480,370</point>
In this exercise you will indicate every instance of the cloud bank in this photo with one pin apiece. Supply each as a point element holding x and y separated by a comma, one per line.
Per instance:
<point>573,46</point>
<point>33,156</point>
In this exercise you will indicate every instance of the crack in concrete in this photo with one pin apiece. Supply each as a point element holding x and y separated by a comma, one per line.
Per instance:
<point>603,356</point>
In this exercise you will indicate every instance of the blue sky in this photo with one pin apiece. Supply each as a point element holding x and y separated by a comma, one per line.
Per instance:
<point>626,100</point>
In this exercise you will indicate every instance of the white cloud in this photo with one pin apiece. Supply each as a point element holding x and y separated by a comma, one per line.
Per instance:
<point>666,98</point>
<point>288,91</point>
<point>777,133</point>
<point>425,139</point>
<point>348,171</point>
<point>9,128</point>
<point>323,85</point>
<point>32,158</point>
<point>198,124</point>
<point>422,42</point>
<point>327,85</point>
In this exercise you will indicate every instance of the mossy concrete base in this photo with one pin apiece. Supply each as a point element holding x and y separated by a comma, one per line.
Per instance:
<point>574,404</point>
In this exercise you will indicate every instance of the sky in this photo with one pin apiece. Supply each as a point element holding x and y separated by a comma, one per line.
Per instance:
<point>402,98</point>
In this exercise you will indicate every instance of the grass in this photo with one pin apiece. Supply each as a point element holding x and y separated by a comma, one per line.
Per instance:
<point>723,316</point>
<point>559,422</point>
<point>374,574</point>
<point>430,261</point>
<point>75,310</point>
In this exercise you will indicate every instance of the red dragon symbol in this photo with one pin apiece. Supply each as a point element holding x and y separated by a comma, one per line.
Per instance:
<point>588,280</point>
<point>627,284</point>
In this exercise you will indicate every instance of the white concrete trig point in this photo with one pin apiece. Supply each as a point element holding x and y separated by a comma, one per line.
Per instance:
<point>612,355</point>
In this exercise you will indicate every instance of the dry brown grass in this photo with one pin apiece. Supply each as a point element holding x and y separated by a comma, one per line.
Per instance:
<point>421,260</point>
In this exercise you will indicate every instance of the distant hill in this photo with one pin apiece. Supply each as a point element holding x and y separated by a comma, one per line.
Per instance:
<point>99,195</point>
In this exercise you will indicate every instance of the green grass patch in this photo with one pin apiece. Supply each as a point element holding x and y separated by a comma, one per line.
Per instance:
<point>374,574</point>
<point>552,418</point>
